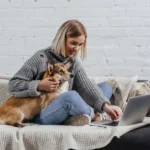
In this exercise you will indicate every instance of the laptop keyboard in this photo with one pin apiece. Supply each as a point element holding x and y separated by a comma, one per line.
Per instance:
<point>114,123</point>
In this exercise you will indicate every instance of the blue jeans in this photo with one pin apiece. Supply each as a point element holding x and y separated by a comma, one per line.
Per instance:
<point>106,89</point>
<point>67,104</point>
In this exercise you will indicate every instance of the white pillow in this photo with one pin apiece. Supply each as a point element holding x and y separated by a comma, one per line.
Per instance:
<point>121,88</point>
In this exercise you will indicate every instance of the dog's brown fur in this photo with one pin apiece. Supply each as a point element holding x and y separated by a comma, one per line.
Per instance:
<point>15,111</point>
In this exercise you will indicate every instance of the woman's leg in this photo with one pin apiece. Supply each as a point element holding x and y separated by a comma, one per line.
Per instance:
<point>69,103</point>
<point>106,89</point>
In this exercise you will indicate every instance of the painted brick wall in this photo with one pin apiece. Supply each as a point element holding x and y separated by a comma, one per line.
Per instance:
<point>118,33</point>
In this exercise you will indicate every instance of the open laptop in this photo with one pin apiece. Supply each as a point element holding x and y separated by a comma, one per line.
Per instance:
<point>135,112</point>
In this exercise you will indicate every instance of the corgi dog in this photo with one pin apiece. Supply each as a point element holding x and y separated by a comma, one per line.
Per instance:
<point>16,110</point>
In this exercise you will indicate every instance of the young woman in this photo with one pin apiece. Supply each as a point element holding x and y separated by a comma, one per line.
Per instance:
<point>83,99</point>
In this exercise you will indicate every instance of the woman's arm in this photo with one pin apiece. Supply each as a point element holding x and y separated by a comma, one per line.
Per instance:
<point>88,90</point>
<point>24,83</point>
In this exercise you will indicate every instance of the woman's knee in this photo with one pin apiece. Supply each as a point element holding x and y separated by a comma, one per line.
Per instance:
<point>72,95</point>
<point>68,97</point>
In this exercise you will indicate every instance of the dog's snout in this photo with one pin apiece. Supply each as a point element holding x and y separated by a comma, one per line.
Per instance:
<point>71,75</point>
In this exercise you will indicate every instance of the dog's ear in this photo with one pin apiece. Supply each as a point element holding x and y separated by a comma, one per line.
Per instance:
<point>50,68</point>
<point>69,63</point>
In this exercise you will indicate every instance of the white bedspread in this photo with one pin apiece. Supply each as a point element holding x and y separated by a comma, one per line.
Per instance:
<point>50,137</point>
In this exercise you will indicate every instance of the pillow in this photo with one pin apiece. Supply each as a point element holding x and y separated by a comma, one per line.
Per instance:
<point>144,89</point>
<point>133,90</point>
<point>121,88</point>
<point>4,93</point>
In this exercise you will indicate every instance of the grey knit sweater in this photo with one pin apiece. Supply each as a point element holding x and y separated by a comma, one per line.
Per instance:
<point>24,83</point>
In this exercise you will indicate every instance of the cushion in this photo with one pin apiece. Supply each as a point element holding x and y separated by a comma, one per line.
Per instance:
<point>133,90</point>
<point>121,88</point>
<point>4,93</point>
<point>144,89</point>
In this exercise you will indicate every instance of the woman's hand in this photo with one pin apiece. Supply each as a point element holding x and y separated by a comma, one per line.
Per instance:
<point>48,85</point>
<point>113,113</point>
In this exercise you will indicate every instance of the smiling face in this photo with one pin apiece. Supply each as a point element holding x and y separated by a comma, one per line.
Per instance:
<point>73,45</point>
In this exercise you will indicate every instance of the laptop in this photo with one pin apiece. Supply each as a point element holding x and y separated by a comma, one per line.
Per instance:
<point>135,112</point>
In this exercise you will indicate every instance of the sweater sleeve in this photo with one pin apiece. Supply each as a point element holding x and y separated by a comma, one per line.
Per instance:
<point>88,90</point>
<point>24,83</point>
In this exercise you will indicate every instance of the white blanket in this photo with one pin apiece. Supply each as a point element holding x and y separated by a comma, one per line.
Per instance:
<point>46,137</point>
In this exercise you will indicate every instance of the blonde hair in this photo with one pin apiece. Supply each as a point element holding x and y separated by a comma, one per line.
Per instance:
<point>71,29</point>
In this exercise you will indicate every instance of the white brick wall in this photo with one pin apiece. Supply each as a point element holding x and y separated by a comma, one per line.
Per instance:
<point>118,33</point>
